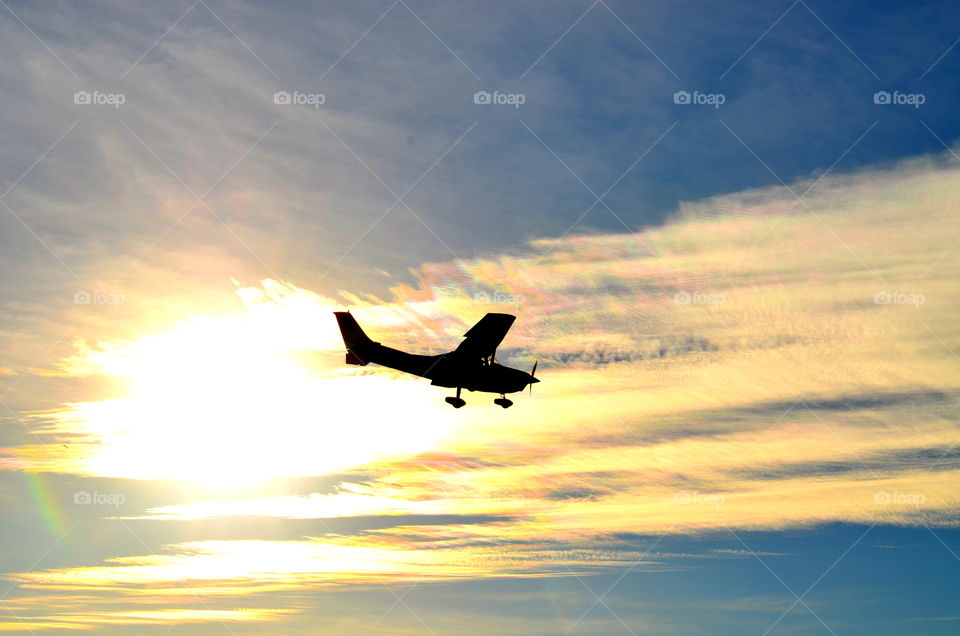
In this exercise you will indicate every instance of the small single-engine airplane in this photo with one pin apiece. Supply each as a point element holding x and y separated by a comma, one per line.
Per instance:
<point>471,366</point>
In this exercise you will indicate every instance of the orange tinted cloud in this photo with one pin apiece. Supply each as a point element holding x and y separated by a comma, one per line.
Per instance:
<point>749,365</point>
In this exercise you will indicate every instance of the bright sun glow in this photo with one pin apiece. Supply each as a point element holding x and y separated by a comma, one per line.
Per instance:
<point>219,402</point>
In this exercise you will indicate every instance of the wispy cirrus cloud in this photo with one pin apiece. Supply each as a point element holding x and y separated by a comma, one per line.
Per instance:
<point>746,367</point>
<point>754,363</point>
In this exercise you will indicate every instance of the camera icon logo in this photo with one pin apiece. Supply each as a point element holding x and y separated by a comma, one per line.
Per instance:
<point>282,97</point>
<point>482,97</point>
<point>82,297</point>
<point>881,97</point>
<point>82,97</point>
<point>681,97</point>
<point>882,498</point>
<point>682,298</point>
<point>882,298</point>
<point>82,497</point>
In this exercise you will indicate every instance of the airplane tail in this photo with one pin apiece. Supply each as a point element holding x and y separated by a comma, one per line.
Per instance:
<point>353,337</point>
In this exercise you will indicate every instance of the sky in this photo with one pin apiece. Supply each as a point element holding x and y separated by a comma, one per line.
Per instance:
<point>729,235</point>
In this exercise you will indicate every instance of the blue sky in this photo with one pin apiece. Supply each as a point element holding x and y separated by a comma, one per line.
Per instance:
<point>744,313</point>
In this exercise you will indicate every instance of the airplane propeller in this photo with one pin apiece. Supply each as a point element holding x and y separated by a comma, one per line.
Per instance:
<point>533,379</point>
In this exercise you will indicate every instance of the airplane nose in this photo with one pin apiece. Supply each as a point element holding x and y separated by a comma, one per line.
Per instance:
<point>533,380</point>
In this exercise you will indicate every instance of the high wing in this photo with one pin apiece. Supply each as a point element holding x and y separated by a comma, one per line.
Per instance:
<point>482,340</point>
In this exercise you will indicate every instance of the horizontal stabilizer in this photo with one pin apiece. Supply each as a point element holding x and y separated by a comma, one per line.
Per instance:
<point>352,358</point>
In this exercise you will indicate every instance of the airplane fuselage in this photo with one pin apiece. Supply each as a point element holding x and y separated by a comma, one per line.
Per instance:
<point>483,376</point>
<point>449,370</point>
<point>471,366</point>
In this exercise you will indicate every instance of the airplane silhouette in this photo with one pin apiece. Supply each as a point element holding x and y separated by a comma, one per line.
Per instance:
<point>471,366</point>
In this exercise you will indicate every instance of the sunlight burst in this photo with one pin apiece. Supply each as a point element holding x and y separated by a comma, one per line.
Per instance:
<point>219,402</point>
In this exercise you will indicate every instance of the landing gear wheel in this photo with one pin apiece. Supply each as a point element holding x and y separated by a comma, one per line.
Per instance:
<point>504,402</point>
<point>455,402</point>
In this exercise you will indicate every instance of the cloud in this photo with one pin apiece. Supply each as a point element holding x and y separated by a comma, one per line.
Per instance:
<point>827,394</point>
<point>752,363</point>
